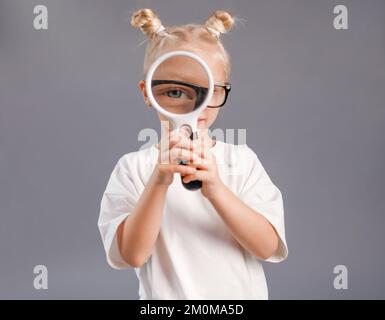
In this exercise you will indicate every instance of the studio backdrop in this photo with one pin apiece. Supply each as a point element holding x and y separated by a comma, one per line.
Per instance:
<point>308,80</point>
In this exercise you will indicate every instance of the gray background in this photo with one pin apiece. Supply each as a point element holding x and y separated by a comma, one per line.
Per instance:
<point>311,98</point>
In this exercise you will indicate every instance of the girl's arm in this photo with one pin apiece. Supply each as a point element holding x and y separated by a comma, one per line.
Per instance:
<point>137,234</point>
<point>250,228</point>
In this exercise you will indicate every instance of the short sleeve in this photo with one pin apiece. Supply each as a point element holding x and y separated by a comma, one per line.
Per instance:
<point>118,201</point>
<point>262,195</point>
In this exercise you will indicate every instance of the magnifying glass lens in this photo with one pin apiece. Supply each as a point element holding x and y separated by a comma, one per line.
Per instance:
<point>180,85</point>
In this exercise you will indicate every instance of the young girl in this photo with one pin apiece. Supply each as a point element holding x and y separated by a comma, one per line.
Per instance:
<point>203,244</point>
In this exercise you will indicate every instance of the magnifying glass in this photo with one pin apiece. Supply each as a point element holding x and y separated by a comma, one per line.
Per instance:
<point>180,85</point>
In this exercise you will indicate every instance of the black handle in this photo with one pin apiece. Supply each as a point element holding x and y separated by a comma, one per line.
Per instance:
<point>192,185</point>
<point>196,184</point>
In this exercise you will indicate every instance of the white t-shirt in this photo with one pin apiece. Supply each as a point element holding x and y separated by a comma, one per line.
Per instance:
<point>195,256</point>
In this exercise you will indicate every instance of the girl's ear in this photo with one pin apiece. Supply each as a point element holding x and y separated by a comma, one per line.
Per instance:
<point>142,88</point>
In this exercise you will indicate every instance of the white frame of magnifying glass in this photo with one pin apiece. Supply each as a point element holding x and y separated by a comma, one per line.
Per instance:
<point>179,120</point>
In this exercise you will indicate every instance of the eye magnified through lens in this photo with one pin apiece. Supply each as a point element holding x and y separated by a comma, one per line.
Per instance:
<point>178,97</point>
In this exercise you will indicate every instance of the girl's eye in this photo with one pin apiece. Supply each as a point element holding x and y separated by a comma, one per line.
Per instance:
<point>176,94</point>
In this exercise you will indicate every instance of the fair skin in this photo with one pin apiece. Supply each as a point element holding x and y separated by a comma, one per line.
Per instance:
<point>138,233</point>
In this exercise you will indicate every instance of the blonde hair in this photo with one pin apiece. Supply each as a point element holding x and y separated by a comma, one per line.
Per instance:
<point>160,37</point>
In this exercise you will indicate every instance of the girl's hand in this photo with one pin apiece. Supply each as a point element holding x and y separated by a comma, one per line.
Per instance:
<point>207,168</point>
<point>173,148</point>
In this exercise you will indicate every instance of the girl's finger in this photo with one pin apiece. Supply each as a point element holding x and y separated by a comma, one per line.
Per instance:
<point>183,170</point>
<point>202,164</point>
<point>202,146</point>
<point>185,143</point>
<point>206,163</point>
<point>178,133</point>
<point>179,154</point>
<point>180,136</point>
<point>167,142</point>
<point>198,175</point>
<point>176,140</point>
<point>173,137</point>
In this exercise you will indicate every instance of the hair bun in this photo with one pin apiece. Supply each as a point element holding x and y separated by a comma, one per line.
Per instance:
<point>147,21</point>
<point>219,22</point>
